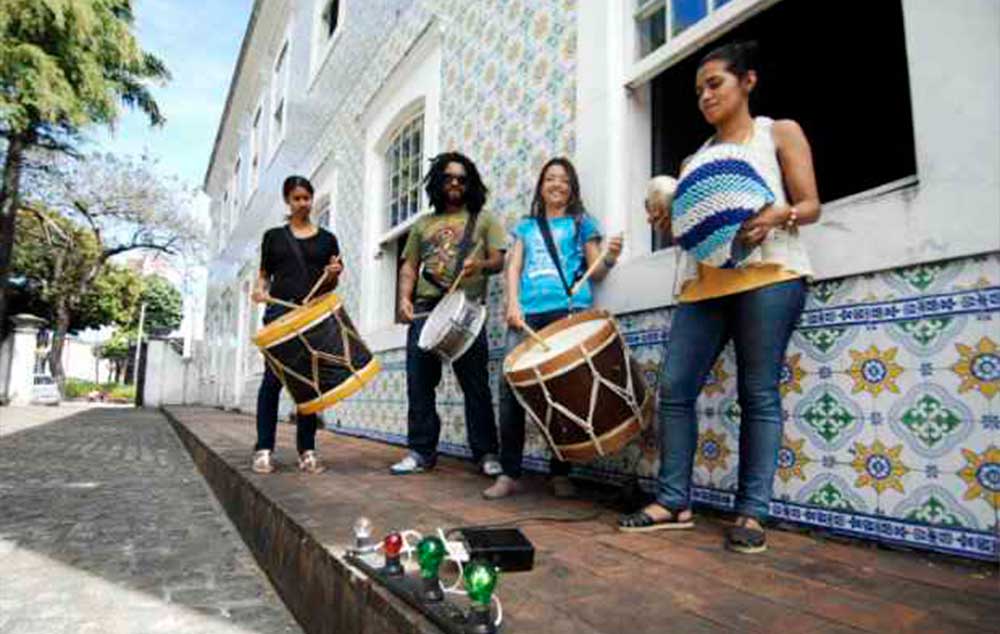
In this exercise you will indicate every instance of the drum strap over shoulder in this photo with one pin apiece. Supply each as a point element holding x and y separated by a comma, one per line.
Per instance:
<point>463,251</point>
<point>550,245</point>
<point>296,250</point>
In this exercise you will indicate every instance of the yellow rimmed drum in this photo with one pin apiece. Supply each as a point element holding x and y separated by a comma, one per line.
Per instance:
<point>317,354</point>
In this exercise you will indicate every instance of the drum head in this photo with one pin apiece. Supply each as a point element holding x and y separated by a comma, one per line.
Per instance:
<point>438,322</point>
<point>533,354</point>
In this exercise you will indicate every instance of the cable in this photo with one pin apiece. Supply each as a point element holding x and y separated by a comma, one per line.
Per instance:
<point>535,519</point>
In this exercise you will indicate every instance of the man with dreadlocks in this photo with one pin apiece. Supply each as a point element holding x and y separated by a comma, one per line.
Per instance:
<point>439,248</point>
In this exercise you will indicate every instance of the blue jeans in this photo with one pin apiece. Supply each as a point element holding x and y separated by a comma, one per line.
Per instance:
<point>511,412</point>
<point>760,323</point>
<point>423,374</point>
<point>268,396</point>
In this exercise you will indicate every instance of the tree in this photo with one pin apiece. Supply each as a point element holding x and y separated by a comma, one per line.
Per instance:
<point>94,210</point>
<point>64,65</point>
<point>117,349</point>
<point>164,306</point>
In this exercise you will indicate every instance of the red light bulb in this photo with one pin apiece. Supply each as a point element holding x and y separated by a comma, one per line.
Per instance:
<point>393,544</point>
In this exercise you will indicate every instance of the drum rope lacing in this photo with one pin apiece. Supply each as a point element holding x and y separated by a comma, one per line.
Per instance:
<point>626,394</point>
<point>345,335</point>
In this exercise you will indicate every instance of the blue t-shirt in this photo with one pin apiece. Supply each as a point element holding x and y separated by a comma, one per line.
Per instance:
<point>541,289</point>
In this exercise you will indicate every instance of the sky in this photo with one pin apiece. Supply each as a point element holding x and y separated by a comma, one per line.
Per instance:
<point>199,40</point>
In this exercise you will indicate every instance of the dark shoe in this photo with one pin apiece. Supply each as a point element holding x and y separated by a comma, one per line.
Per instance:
<point>643,522</point>
<point>746,540</point>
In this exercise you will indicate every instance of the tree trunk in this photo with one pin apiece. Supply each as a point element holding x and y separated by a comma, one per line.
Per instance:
<point>9,202</point>
<point>58,341</point>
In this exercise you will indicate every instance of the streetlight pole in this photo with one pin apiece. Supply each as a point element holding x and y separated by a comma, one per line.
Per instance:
<point>138,344</point>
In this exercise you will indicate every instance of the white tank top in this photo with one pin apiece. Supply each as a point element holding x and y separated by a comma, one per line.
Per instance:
<point>781,246</point>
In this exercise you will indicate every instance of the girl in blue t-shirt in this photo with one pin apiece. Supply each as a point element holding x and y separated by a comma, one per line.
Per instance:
<point>537,295</point>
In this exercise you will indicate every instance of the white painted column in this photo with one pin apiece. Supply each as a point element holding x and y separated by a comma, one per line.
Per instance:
<point>22,364</point>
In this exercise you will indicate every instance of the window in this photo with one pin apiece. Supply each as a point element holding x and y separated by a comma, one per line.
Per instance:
<point>256,147</point>
<point>659,21</point>
<point>237,190</point>
<point>859,143</point>
<point>279,97</point>
<point>403,160</point>
<point>331,16</point>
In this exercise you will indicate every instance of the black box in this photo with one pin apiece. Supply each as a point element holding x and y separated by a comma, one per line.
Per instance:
<point>506,548</point>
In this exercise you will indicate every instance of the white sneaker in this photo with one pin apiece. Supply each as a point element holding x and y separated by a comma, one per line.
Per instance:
<point>490,466</point>
<point>262,462</point>
<point>309,462</point>
<point>412,463</point>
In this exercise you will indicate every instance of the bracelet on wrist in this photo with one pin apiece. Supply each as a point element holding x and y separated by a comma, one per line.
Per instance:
<point>792,222</point>
<point>609,263</point>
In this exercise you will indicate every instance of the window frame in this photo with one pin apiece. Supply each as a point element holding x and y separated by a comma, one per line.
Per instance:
<point>280,72</point>
<point>396,135</point>
<point>257,146</point>
<point>322,42</point>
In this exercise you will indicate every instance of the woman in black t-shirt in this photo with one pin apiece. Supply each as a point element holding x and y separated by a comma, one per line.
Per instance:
<point>283,275</point>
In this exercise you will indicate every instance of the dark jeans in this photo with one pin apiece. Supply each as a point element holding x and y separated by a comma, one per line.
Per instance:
<point>267,404</point>
<point>511,412</point>
<point>760,323</point>
<point>423,374</point>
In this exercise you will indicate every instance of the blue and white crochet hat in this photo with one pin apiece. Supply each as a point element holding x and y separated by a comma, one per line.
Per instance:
<point>718,191</point>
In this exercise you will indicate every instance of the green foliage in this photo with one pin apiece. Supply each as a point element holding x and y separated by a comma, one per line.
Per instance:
<point>52,258</point>
<point>164,306</point>
<point>78,388</point>
<point>65,64</point>
<point>117,348</point>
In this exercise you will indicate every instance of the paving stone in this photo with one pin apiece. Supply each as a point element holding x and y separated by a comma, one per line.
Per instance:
<point>106,526</point>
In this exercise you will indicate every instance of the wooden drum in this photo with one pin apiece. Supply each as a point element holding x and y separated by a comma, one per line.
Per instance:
<point>585,393</point>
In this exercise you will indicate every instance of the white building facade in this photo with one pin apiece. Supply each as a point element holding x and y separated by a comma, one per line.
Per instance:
<point>892,379</point>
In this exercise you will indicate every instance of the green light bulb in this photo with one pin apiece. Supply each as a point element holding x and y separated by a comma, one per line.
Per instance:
<point>480,581</point>
<point>430,553</point>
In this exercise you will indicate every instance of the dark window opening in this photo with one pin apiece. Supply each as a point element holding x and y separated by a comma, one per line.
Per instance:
<point>399,246</point>
<point>842,76</point>
<point>330,16</point>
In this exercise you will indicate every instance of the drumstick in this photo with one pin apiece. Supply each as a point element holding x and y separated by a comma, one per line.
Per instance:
<point>319,282</point>
<point>537,337</point>
<point>461,273</point>
<point>280,302</point>
<point>590,271</point>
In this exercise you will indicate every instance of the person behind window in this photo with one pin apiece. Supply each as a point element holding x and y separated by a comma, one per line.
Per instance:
<point>537,296</point>
<point>755,306</point>
<point>285,276</point>
<point>436,252</point>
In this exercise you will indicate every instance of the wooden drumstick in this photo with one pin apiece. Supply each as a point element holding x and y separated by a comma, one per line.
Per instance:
<point>461,274</point>
<point>537,337</point>
<point>280,302</point>
<point>319,282</point>
<point>590,271</point>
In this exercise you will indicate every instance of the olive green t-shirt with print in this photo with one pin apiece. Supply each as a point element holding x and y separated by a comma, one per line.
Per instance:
<point>433,248</point>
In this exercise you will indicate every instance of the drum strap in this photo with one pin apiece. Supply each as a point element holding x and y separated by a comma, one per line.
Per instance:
<point>550,245</point>
<point>463,251</point>
<point>296,251</point>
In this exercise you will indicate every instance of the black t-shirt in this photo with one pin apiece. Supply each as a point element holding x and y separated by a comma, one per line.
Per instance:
<point>279,262</point>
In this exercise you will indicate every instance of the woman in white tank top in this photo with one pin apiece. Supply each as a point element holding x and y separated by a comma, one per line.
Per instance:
<point>756,306</point>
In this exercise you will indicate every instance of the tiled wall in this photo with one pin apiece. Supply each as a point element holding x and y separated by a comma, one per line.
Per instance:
<point>891,399</point>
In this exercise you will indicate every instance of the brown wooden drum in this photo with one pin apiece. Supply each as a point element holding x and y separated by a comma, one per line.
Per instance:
<point>585,393</point>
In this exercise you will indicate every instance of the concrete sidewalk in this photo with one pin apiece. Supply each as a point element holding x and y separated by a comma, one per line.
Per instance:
<point>106,526</point>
